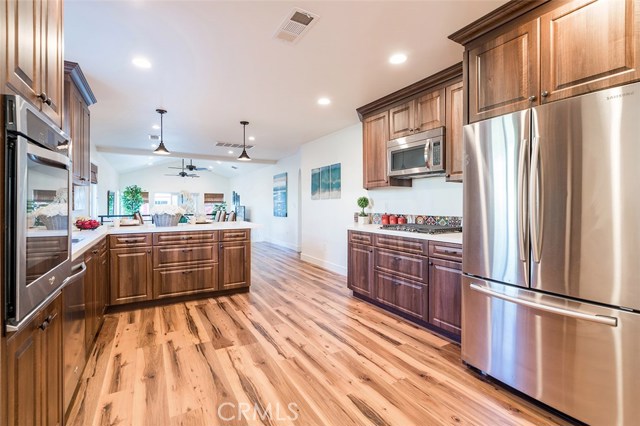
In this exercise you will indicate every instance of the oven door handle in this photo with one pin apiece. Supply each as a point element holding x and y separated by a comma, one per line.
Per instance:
<point>47,158</point>
<point>81,267</point>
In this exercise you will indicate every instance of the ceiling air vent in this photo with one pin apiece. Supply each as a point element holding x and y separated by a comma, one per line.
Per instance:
<point>232,145</point>
<point>295,25</point>
<point>154,137</point>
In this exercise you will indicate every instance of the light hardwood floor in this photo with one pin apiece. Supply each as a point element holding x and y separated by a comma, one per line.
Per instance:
<point>297,350</point>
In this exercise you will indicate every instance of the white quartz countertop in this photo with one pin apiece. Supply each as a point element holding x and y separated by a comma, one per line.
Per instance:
<point>87,239</point>
<point>453,237</point>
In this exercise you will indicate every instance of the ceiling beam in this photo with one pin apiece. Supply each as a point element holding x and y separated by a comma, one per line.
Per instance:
<point>148,152</point>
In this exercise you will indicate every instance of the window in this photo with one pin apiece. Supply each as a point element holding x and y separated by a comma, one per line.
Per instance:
<point>174,198</point>
<point>144,208</point>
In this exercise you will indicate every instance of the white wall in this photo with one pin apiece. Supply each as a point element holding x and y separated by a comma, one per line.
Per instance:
<point>108,180</point>
<point>256,194</point>
<point>153,179</point>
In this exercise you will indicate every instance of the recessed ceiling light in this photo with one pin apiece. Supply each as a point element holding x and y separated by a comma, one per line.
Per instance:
<point>155,127</point>
<point>210,167</point>
<point>230,152</point>
<point>397,58</point>
<point>153,145</point>
<point>219,162</point>
<point>141,62</point>
<point>252,138</point>
<point>149,164</point>
<point>324,101</point>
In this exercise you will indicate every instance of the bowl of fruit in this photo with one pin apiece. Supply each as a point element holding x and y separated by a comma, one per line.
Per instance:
<point>86,223</point>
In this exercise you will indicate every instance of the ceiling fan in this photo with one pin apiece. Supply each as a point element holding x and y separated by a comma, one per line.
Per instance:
<point>191,167</point>
<point>182,172</point>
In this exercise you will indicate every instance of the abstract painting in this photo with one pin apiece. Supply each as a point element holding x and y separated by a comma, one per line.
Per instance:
<point>315,184</point>
<point>280,195</point>
<point>336,183</point>
<point>326,182</point>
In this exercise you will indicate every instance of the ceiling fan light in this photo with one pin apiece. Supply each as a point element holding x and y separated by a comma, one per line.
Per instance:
<point>161,150</point>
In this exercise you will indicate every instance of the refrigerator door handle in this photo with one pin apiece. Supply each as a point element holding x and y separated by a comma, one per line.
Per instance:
<point>600,319</point>
<point>522,201</point>
<point>535,202</point>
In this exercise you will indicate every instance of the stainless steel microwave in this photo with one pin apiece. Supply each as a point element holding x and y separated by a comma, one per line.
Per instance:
<point>417,155</point>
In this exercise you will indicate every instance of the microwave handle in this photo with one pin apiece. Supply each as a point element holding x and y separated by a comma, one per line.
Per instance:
<point>427,154</point>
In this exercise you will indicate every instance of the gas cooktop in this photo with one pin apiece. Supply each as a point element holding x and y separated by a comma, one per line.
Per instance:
<point>423,229</point>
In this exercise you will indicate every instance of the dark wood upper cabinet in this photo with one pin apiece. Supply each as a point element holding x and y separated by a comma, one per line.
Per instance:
<point>589,45</point>
<point>375,131</point>
<point>430,111</point>
<point>77,120</point>
<point>503,73</point>
<point>34,53</point>
<point>401,119</point>
<point>454,121</point>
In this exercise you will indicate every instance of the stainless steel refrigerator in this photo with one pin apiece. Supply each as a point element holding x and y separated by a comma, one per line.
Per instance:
<point>551,284</point>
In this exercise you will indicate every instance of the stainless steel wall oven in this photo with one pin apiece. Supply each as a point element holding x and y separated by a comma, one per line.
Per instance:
<point>37,211</point>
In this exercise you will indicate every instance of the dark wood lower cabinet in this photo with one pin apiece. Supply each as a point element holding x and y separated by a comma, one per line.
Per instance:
<point>445,294</point>
<point>405,295</point>
<point>235,264</point>
<point>131,275</point>
<point>34,370</point>
<point>183,281</point>
<point>360,269</point>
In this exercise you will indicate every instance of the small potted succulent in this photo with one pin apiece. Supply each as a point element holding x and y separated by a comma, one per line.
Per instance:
<point>167,215</point>
<point>54,216</point>
<point>363,218</point>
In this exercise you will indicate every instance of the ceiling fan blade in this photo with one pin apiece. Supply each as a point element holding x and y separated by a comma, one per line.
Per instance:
<point>178,168</point>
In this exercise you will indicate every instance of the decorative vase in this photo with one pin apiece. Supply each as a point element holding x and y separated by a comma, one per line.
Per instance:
<point>363,220</point>
<point>56,222</point>
<point>166,219</point>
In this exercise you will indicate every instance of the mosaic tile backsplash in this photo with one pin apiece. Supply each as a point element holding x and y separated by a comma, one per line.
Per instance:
<point>376,219</point>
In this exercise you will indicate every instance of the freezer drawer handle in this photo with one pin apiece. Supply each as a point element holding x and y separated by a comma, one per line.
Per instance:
<point>600,319</point>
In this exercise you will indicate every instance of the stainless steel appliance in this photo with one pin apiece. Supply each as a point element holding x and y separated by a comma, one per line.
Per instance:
<point>37,241</point>
<point>423,228</point>
<point>73,331</point>
<point>417,155</point>
<point>551,294</point>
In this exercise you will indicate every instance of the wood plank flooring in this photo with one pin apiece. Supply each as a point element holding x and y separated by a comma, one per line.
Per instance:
<point>297,350</point>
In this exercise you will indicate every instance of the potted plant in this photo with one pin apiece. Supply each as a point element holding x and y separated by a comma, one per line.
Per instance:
<point>132,199</point>
<point>363,218</point>
<point>167,215</point>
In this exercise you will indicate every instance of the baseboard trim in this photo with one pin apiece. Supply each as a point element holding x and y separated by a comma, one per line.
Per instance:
<point>290,246</point>
<point>333,267</point>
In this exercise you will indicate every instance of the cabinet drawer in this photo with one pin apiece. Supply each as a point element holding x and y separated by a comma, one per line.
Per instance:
<point>129,240</point>
<point>181,238</point>
<point>178,256</point>
<point>398,263</point>
<point>184,281</point>
<point>360,237</point>
<point>236,235</point>
<point>448,251</point>
<point>405,295</point>
<point>409,245</point>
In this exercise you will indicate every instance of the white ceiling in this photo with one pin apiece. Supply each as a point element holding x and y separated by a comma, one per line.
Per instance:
<point>215,63</point>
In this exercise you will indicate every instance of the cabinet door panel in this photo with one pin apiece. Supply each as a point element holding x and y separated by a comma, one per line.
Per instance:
<point>589,45</point>
<point>375,138</point>
<point>404,295</point>
<point>51,364</point>
<point>52,67</point>
<point>429,111</point>
<point>360,269</point>
<point>401,120</point>
<point>90,277</point>
<point>186,280</point>
<point>131,275</point>
<point>22,378</point>
<point>453,127</point>
<point>503,73</point>
<point>235,265</point>
<point>23,48</point>
<point>445,293</point>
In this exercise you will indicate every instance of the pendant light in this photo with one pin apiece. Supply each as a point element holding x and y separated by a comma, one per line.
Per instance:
<point>161,149</point>
<point>244,156</point>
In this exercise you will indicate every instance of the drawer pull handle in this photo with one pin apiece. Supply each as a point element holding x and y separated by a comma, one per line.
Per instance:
<point>451,251</point>
<point>129,241</point>
<point>186,250</point>
<point>94,251</point>
<point>186,272</point>
<point>185,238</point>
<point>47,322</point>
<point>397,258</point>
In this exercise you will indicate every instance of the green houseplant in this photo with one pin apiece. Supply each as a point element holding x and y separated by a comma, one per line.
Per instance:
<point>363,203</point>
<point>132,199</point>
